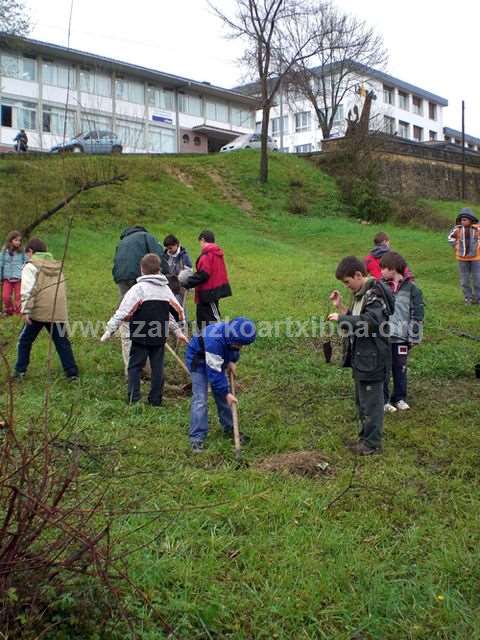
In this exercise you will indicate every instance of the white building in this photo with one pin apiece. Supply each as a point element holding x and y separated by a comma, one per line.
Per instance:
<point>452,136</point>
<point>400,109</point>
<point>50,90</point>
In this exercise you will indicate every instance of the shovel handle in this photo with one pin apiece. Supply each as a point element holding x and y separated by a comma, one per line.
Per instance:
<point>236,430</point>
<point>178,359</point>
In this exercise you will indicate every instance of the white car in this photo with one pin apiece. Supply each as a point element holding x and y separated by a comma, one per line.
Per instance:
<point>249,141</point>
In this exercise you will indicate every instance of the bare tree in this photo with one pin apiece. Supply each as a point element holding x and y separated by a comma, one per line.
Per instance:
<point>14,18</point>
<point>346,49</point>
<point>278,35</point>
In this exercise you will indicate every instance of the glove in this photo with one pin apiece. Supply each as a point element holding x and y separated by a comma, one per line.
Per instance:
<point>105,337</point>
<point>184,275</point>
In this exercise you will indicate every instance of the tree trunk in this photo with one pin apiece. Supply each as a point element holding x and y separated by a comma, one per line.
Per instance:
<point>264,145</point>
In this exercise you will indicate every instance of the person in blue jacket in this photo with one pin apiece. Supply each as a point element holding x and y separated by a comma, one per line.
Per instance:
<point>209,356</point>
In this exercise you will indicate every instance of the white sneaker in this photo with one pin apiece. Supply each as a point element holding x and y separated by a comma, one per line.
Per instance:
<point>389,408</point>
<point>402,405</point>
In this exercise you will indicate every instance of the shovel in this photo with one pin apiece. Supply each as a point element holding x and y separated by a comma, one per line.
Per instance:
<point>236,430</point>
<point>188,386</point>
<point>327,346</point>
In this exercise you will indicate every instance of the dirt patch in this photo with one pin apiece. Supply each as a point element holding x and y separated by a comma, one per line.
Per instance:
<point>230,194</point>
<point>310,464</point>
<point>179,175</point>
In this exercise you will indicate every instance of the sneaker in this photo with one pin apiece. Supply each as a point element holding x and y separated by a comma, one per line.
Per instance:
<point>362,449</point>
<point>197,446</point>
<point>244,439</point>
<point>389,408</point>
<point>19,375</point>
<point>468,301</point>
<point>74,378</point>
<point>402,405</point>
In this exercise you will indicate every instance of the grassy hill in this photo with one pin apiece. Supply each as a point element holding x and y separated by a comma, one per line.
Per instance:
<point>244,553</point>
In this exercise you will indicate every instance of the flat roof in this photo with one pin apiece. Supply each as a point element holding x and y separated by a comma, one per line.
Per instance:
<point>373,73</point>
<point>453,133</point>
<point>29,45</point>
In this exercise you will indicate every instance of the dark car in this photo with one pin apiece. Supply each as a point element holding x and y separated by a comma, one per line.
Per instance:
<point>92,142</point>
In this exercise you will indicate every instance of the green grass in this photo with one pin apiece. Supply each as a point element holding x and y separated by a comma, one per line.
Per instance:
<point>243,554</point>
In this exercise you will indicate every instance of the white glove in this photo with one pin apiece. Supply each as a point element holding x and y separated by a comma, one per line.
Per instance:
<point>105,337</point>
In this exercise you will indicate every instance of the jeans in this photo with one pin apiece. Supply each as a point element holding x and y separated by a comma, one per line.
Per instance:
<point>199,410</point>
<point>60,339</point>
<point>369,399</point>
<point>11,296</point>
<point>399,374</point>
<point>137,359</point>
<point>207,313</point>
<point>470,274</point>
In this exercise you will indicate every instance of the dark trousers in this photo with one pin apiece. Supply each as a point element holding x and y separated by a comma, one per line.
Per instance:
<point>399,374</point>
<point>369,399</point>
<point>60,339</point>
<point>207,313</point>
<point>137,359</point>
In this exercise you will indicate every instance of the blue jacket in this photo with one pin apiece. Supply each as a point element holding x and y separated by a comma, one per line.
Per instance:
<point>11,265</point>
<point>213,350</point>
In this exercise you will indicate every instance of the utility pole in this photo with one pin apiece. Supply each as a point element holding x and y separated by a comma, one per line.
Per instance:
<point>463,149</point>
<point>281,117</point>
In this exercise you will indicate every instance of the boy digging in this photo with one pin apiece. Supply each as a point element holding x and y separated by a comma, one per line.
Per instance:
<point>367,347</point>
<point>147,306</point>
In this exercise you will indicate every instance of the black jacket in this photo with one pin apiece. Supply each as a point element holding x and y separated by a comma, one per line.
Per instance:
<point>135,242</point>
<point>149,324</point>
<point>367,345</point>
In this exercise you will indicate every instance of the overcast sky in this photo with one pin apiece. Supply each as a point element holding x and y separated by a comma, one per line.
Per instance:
<point>432,43</point>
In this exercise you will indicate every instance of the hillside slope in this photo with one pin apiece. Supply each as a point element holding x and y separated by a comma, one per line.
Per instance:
<point>242,553</point>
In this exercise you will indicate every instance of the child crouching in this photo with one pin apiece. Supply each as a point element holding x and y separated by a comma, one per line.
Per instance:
<point>147,308</point>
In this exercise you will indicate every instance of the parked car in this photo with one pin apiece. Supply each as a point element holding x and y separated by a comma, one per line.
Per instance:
<point>249,141</point>
<point>92,142</point>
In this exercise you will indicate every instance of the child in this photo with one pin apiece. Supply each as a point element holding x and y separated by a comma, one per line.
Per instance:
<point>146,305</point>
<point>372,261</point>
<point>208,357</point>
<point>405,327</point>
<point>44,305</point>
<point>465,237</point>
<point>367,347</point>
<point>12,259</point>
<point>210,280</point>
<point>178,260</point>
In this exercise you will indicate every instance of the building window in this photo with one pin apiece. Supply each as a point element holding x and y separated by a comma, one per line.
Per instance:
<point>58,121</point>
<point>417,133</point>
<point>432,111</point>
<point>162,140</point>
<point>276,126</point>
<point>285,150</point>
<point>389,125</point>
<point>161,98</point>
<point>458,141</point>
<point>217,111</point>
<point>403,129</point>
<point>192,105</point>
<point>58,75</point>
<point>388,95</point>
<point>403,101</point>
<point>130,91</point>
<point>339,116</point>
<point>242,118</point>
<point>19,114</point>
<point>21,68</point>
<point>96,83</point>
<point>130,134</point>
<point>91,121</point>
<point>433,135</point>
<point>303,121</point>
<point>303,148</point>
<point>186,138</point>
<point>258,127</point>
<point>197,141</point>
<point>417,104</point>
